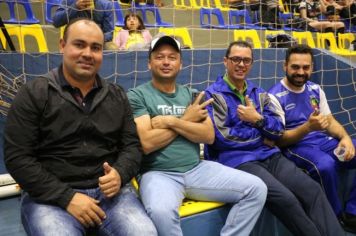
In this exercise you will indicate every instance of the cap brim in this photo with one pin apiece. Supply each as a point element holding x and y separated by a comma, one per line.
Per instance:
<point>165,40</point>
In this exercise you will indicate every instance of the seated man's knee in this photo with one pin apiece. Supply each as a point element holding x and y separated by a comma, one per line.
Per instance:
<point>259,190</point>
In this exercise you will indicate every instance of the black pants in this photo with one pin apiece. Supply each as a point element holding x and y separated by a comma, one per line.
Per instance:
<point>294,198</point>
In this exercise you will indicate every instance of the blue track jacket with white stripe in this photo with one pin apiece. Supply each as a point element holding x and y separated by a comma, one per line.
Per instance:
<point>237,141</point>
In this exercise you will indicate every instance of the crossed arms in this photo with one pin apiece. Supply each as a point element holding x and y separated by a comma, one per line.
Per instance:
<point>195,125</point>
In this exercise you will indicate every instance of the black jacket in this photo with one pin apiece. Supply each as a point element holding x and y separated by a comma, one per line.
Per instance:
<point>52,145</point>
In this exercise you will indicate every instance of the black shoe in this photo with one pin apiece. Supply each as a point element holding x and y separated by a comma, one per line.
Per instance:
<point>348,222</point>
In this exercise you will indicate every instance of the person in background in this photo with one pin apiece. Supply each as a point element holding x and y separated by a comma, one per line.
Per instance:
<point>133,35</point>
<point>171,125</point>
<point>71,144</point>
<point>310,11</point>
<point>100,11</point>
<point>312,133</point>
<point>246,127</point>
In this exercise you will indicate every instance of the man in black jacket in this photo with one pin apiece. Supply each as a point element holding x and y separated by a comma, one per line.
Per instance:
<point>71,144</point>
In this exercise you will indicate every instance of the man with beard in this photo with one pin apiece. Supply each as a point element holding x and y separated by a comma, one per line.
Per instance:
<point>246,126</point>
<point>170,127</point>
<point>312,133</point>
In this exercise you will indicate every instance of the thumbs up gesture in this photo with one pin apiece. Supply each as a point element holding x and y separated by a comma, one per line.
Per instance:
<point>248,112</point>
<point>110,182</point>
<point>317,121</point>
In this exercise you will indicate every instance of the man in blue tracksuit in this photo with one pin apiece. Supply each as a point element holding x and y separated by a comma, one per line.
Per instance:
<point>246,127</point>
<point>312,133</point>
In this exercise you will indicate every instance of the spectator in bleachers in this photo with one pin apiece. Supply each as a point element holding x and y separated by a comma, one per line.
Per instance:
<point>312,133</point>
<point>133,35</point>
<point>343,8</point>
<point>270,13</point>
<point>100,11</point>
<point>171,124</point>
<point>310,10</point>
<point>246,127</point>
<point>71,144</point>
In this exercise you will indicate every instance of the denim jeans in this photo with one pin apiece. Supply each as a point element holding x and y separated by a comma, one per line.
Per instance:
<point>162,194</point>
<point>125,215</point>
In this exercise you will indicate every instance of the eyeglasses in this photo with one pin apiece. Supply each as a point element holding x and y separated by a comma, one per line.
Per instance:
<point>237,60</point>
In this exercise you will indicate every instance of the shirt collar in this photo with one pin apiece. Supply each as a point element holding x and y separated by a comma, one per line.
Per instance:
<point>233,87</point>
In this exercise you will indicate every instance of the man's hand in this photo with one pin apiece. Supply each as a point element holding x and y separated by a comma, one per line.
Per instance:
<point>317,121</point>
<point>248,113</point>
<point>196,112</point>
<point>346,142</point>
<point>84,4</point>
<point>110,183</point>
<point>162,122</point>
<point>86,210</point>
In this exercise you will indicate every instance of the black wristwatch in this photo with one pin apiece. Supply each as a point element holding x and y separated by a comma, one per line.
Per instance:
<point>260,123</point>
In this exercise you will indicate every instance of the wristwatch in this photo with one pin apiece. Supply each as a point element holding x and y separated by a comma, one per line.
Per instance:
<point>260,123</point>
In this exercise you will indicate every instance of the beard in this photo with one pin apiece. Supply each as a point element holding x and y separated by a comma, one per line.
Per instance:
<point>298,83</point>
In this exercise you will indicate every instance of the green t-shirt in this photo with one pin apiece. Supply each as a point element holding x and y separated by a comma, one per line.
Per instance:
<point>181,154</point>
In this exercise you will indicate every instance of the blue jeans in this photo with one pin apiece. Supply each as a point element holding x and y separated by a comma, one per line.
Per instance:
<point>162,194</point>
<point>125,215</point>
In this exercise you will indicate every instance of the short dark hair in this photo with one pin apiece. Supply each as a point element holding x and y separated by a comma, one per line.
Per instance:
<point>74,20</point>
<point>298,49</point>
<point>140,27</point>
<point>239,43</point>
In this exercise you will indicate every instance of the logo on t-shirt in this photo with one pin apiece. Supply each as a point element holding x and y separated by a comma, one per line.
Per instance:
<point>171,110</point>
<point>314,103</point>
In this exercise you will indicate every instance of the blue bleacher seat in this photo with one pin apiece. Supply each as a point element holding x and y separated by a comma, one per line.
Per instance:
<point>242,19</point>
<point>285,19</point>
<point>206,13</point>
<point>30,18</point>
<point>49,4</point>
<point>350,28</point>
<point>120,20</point>
<point>144,9</point>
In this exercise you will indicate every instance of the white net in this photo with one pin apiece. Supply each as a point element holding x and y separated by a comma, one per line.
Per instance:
<point>206,27</point>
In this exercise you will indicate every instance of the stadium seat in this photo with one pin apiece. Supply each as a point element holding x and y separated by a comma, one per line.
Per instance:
<point>154,10</point>
<point>348,26</point>
<point>345,40</point>
<point>182,33</point>
<point>49,5</point>
<point>30,18</point>
<point>124,3</point>
<point>284,6</point>
<point>246,35</point>
<point>206,13</point>
<point>120,20</point>
<point>222,7</point>
<point>23,31</point>
<point>241,19</point>
<point>305,37</point>
<point>285,19</point>
<point>333,47</point>
<point>196,5</point>
<point>272,32</point>
<point>192,4</point>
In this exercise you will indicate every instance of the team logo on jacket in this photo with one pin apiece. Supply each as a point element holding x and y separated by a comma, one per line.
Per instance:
<point>314,103</point>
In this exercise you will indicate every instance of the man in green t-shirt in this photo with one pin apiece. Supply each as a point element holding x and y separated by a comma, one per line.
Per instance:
<point>170,128</point>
